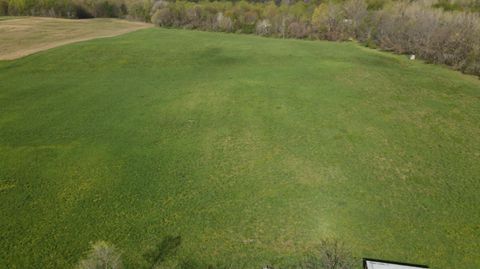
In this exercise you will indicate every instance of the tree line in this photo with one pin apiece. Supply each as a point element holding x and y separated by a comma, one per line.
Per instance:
<point>79,9</point>
<point>437,31</point>
<point>420,27</point>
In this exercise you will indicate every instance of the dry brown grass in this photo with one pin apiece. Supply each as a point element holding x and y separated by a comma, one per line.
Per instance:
<point>25,36</point>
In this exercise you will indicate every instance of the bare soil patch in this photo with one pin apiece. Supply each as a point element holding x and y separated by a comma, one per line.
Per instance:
<point>25,36</point>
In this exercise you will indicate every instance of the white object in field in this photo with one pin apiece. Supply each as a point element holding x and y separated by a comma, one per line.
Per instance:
<point>378,264</point>
<point>412,57</point>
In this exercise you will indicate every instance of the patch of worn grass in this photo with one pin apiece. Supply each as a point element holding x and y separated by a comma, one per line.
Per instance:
<point>23,36</point>
<point>250,149</point>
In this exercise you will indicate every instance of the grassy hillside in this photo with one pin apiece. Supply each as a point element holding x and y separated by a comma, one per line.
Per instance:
<point>250,149</point>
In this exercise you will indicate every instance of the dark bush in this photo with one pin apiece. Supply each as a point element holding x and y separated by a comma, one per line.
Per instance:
<point>3,7</point>
<point>81,12</point>
<point>105,9</point>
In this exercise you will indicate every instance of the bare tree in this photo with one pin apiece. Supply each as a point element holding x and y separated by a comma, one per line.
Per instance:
<point>329,254</point>
<point>355,12</point>
<point>102,255</point>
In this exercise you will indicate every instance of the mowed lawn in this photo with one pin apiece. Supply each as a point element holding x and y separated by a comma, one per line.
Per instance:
<point>250,149</point>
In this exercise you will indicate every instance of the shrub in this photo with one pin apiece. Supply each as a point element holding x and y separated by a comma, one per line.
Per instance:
<point>436,36</point>
<point>263,28</point>
<point>329,22</point>
<point>224,23</point>
<point>297,30</point>
<point>248,20</point>
<point>105,9</point>
<point>355,12</point>
<point>163,17</point>
<point>193,15</point>
<point>139,10</point>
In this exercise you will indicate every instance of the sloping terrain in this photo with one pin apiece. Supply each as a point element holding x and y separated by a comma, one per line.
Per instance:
<point>250,149</point>
<point>27,35</point>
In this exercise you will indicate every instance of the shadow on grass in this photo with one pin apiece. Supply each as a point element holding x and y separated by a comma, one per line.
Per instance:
<point>167,247</point>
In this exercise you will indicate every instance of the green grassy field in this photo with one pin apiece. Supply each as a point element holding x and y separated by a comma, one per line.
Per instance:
<point>250,149</point>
